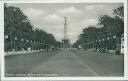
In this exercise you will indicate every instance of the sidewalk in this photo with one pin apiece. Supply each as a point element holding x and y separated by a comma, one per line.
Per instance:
<point>19,52</point>
<point>97,52</point>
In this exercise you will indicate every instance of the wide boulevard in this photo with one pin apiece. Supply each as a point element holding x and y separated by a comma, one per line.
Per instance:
<point>64,63</point>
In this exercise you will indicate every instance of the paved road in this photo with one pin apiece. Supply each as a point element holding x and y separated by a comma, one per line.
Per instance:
<point>63,63</point>
<point>103,64</point>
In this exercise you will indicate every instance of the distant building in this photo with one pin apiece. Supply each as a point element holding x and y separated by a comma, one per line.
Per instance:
<point>120,45</point>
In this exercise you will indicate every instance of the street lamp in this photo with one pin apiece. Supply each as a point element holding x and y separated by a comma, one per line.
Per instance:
<point>26,40</point>
<point>27,45</point>
<point>96,45</point>
<point>108,38</point>
<point>15,38</point>
<point>23,43</point>
<point>6,36</point>
<point>114,36</point>
<point>22,40</point>
<point>31,45</point>
<point>16,42</point>
<point>114,46</point>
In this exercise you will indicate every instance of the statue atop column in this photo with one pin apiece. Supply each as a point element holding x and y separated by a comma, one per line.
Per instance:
<point>65,27</point>
<point>65,40</point>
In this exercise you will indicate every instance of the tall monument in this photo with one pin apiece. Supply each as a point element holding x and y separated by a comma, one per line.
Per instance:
<point>65,40</point>
<point>65,27</point>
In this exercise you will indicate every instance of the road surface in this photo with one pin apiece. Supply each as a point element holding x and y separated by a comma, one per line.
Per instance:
<point>64,63</point>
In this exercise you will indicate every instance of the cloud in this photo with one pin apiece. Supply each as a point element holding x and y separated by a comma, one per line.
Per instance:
<point>90,7</point>
<point>33,13</point>
<point>90,22</point>
<point>93,7</point>
<point>34,16</point>
<point>53,19</point>
<point>69,11</point>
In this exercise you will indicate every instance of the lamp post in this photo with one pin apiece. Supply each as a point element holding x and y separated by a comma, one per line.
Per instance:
<point>114,42</point>
<point>11,40</point>
<point>31,45</point>
<point>96,45</point>
<point>27,45</point>
<point>11,29</point>
<point>99,44</point>
<point>22,40</point>
<point>15,38</point>
<point>108,44</point>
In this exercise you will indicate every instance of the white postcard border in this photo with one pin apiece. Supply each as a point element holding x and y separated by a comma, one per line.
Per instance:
<point>63,78</point>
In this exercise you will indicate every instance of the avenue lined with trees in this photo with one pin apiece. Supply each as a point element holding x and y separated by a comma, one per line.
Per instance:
<point>106,35</point>
<point>20,33</point>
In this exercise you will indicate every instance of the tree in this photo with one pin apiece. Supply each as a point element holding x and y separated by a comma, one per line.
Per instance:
<point>113,25</point>
<point>109,27</point>
<point>88,35</point>
<point>21,34</point>
<point>119,12</point>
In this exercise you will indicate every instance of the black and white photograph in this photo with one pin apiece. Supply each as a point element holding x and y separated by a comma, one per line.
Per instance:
<point>67,80</point>
<point>64,39</point>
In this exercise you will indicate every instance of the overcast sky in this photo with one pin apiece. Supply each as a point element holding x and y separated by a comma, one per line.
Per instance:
<point>50,17</point>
